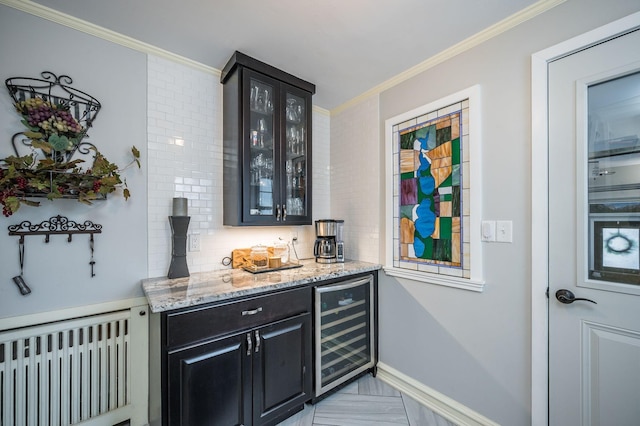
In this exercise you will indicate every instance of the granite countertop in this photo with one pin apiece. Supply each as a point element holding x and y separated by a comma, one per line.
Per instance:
<point>165,294</point>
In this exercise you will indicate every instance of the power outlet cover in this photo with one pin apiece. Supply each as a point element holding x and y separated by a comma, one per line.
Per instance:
<point>194,242</point>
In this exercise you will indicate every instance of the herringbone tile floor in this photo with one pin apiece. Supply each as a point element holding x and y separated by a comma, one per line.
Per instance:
<point>367,402</point>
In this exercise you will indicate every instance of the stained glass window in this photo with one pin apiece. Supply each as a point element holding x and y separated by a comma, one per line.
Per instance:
<point>430,191</point>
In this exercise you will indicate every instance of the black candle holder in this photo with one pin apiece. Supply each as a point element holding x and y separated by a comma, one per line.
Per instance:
<point>179,226</point>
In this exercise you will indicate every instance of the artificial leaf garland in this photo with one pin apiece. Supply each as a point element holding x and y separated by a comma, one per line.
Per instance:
<point>52,129</point>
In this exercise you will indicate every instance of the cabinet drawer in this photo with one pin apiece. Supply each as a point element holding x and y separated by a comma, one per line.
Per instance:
<point>203,323</point>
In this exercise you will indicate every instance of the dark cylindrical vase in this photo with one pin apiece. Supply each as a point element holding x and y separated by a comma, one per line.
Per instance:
<point>179,226</point>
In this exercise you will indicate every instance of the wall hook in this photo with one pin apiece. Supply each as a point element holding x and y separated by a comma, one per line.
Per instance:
<point>56,225</point>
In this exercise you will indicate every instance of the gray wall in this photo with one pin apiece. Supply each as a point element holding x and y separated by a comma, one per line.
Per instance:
<point>475,347</point>
<point>58,273</point>
<point>472,347</point>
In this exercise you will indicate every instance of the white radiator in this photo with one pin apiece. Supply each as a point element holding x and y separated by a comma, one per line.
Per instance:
<point>70,371</point>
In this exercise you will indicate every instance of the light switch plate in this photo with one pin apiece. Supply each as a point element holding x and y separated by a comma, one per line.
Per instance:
<point>504,231</point>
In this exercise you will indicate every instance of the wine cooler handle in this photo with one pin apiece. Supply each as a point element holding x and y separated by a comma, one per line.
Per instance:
<point>345,286</point>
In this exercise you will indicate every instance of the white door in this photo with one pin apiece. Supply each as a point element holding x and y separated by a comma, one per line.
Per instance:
<point>594,235</point>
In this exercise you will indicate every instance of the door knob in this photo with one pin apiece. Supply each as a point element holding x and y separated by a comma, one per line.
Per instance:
<point>567,297</point>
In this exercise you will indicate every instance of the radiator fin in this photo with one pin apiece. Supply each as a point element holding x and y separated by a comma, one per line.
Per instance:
<point>65,372</point>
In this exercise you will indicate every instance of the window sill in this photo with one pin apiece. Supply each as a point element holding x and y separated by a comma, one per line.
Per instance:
<point>429,278</point>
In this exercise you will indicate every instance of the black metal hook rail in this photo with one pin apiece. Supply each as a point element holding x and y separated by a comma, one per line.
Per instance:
<point>56,225</point>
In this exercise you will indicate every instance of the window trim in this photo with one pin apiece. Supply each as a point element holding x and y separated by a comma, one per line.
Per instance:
<point>474,281</point>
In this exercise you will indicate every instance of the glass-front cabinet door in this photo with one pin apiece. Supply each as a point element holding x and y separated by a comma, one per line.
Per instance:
<point>296,154</point>
<point>261,150</point>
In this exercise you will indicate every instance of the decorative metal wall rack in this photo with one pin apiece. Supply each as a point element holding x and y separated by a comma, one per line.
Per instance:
<point>58,91</point>
<point>57,118</point>
<point>56,225</point>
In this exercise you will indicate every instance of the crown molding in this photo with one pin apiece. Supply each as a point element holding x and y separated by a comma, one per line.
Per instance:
<point>114,37</point>
<point>466,44</point>
<point>321,111</point>
<point>103,33</point>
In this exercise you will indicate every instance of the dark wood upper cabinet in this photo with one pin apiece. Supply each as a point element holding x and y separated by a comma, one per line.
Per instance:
<point>267,145</point>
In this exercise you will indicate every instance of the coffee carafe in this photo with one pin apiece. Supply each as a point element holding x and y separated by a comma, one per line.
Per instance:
<point>328,247</point>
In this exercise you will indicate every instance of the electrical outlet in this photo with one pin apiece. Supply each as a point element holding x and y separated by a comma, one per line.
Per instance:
<point>194,242</point>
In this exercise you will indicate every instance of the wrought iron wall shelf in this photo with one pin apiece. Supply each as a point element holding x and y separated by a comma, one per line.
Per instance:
<point>57,118</point>
<point>58,91</point>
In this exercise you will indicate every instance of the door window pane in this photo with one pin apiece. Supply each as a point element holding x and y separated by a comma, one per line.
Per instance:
<point>614,180</point>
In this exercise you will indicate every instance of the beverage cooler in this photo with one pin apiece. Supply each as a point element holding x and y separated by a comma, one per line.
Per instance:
<point>345,337</point>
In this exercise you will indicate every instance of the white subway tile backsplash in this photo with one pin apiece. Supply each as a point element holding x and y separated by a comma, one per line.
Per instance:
<point>355,178</point>
<point>185,104</point>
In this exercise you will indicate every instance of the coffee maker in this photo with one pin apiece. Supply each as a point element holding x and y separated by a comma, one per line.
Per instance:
<point>329,245</point>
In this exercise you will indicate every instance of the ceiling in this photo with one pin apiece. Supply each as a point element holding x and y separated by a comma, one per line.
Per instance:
<point>344,47</point>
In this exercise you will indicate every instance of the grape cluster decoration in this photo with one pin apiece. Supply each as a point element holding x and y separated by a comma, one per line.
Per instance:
<point>50,122</point>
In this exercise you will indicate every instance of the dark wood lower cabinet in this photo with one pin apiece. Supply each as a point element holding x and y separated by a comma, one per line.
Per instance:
<point>282,375</point>
<point>210,384</point>
<point>253,376</point>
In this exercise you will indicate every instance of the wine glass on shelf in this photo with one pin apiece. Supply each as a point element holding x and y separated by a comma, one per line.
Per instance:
<point>292,140</point>
<point>254,95</point>
<point>292,110</point>
<point>262,129</point>
<point>299,112</point>
<point>299,168</point>
<point>260,100</point>
<point>268,103</point>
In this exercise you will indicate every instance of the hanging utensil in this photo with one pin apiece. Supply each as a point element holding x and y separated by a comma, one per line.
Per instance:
<point>92,262</point>
<point>18,280</point>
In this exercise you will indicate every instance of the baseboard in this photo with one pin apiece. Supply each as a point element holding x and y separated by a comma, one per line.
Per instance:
<point>432,399</point>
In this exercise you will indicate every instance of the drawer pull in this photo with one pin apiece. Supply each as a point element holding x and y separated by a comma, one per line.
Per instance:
<point>252,311</point>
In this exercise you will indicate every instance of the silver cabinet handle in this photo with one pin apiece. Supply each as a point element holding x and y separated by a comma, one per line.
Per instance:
<point>257,341</point>
<point>284,213</point>
<point>277,212</point>
<point>252,311</point>
<point>249,344</point>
